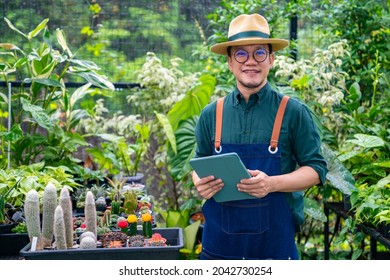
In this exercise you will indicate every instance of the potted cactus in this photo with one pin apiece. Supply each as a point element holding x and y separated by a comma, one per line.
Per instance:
<point>164,243</point>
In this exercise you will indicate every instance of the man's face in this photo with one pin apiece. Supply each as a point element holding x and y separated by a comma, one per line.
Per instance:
<point>251,75</point>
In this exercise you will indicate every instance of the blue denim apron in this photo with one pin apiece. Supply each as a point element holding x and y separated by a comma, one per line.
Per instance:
<point>254,228</point>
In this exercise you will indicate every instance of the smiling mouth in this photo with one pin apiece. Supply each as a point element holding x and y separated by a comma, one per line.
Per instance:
<point>251,71</point>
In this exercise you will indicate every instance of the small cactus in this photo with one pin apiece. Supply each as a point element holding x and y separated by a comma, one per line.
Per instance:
<point>66,205</point>
<point>31,212</point>
<point>90,213</point>
<point>88,242</point>
<point>49,206</point>
<point>85,234</point>
<point>59,229</point>
<point>115,207</point>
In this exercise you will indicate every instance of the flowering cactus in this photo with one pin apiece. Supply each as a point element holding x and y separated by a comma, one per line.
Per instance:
<point>132,219</point>
<point>147,225</point>
<point>123,224</point>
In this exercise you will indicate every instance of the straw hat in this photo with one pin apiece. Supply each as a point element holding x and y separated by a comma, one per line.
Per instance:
<point>249,30</point>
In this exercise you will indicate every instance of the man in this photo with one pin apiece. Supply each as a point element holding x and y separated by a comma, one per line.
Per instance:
<point>281,153</point>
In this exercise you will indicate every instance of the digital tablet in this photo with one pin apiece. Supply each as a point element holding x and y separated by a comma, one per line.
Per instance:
<point>227,167</point>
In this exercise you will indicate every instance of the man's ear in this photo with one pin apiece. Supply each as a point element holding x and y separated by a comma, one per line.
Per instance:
<point>229,62</point>
<point>271,59</point>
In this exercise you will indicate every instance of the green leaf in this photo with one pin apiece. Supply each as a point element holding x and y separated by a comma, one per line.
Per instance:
<point>384,181</point>
<point>190,233</point>
<point>97,80</point>
<point>168,130</point>
<point>14,28</point>
<point>38,114</point>
<point>367,141</point>
<point>37,29</point>
<point>193,102</point>
<point>338,175</point>
<point>45,82</point>
<point>79,93</point>
<point>86,65</point>
<point>62,41</point>
<point>178,162</point>
<point>175,219</point>
<point>312,209</point>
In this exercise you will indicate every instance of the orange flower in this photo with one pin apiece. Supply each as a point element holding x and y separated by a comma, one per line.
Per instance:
<point>146,217</point>
<point>132,218</point>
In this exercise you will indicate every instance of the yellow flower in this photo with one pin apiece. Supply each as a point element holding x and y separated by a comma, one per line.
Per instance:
<point>146,217</point>
<point>132,218</point>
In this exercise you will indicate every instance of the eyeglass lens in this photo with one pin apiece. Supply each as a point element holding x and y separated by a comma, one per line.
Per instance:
<point>242,56</point>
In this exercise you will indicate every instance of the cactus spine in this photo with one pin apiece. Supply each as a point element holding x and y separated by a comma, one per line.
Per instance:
<point>66,205</point>
<point>49,207</point>
<point>59,229</point>
<point>31,212</point>
<point>90,213</point>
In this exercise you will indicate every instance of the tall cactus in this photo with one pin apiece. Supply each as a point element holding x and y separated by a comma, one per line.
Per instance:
<point>49,206</point>
<point>31,212</point>
<point>66,205</point>
<point>59,229</point>
<point>90,213</point>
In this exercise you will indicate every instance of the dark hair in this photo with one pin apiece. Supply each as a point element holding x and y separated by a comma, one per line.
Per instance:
<point>229,53</point>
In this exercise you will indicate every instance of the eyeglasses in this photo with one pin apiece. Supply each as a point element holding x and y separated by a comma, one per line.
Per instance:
<point>242,56</point>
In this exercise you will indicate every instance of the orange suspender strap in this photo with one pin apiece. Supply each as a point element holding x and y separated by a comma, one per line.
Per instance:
<point>218,125</point>
<point>273,147</point>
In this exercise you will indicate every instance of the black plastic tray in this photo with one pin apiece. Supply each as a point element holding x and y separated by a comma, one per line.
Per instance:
<point>174,238</point>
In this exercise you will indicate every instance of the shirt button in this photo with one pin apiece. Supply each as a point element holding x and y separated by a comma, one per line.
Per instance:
<point>245,131</point>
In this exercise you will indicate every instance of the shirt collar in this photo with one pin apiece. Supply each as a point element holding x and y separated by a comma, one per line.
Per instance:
<point>260,94</point>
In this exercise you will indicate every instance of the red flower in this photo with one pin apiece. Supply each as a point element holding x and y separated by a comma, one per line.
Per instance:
<point>123,224</point>
<point>83,226</point>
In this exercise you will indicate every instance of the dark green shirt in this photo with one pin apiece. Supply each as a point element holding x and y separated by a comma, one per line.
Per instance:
<point>252,122</point>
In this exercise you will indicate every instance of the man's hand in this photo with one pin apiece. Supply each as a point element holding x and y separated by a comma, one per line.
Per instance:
<point>207,186</point>
<point>258,185</point>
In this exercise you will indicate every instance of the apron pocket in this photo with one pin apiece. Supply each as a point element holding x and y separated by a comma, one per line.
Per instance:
<point>249,216</point>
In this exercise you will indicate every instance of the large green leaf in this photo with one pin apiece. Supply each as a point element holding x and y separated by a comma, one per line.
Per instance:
<point>185,139</point>
<point>313,210</point>
<point>367,141</point>
<point>175,219</point>
<point>338,176</point>
<point>193,102</point>
<point>190,233</point>
<point>168,130</point>
<point>38,114</point>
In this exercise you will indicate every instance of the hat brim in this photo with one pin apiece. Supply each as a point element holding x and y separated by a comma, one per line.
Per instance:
<point>277,44</point>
